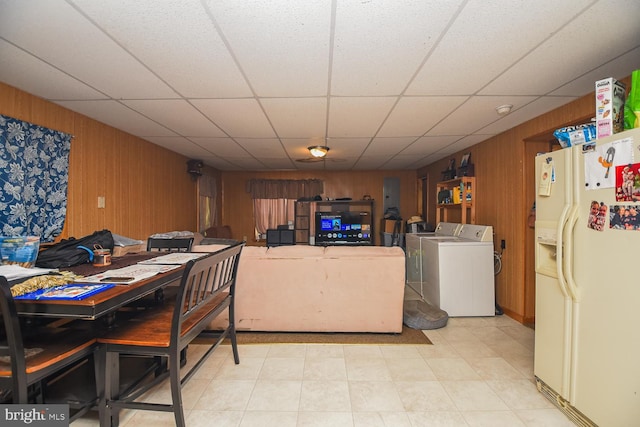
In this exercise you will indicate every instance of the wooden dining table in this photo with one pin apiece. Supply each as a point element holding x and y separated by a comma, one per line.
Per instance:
<point>105,302</point>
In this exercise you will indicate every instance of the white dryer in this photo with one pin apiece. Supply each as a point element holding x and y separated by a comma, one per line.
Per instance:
<point>457,273</point>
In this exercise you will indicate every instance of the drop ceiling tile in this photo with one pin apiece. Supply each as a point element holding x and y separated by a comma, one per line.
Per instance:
<point>297,117</point>
<point>475,114</point>
<point>401,162</point>
<point>180,145</point>
<point>282,163</point>
<point>340,164</point>
<point>428,160</point>
<point>370,162</point>
<point>413,116</point>
<point>242,118</point>
<point>74,44</point>
<point>177,115</point>
<point>533,109</point>
<point>219,163</point>
<point>484,41</point>
<point>347,147</point>
<point>313,166</point>
<point>282,45</point>
<point>115,114</point>
<point>388,146</point>
<point>22,70</point>
<point>629,61</point>
<point>263,148</point>
<point>223,147</point>
<point>357,117</point>
<point>579,46</point>
<point>177,40</point>
<point>379,46</point>
<point>246,163</point>
<point>429,144</point>
<point>462,144</point>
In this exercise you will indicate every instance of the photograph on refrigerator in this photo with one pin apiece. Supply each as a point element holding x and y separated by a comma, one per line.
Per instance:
<point>624,217</point>
<point>597,215</point>
<point>628,183</point>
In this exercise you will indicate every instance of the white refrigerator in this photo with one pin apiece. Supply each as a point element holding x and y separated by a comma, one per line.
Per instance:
<point>587,330</point>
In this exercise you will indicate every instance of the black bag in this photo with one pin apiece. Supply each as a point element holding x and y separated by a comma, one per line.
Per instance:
<point>392,213</point>
<point>72,251</point>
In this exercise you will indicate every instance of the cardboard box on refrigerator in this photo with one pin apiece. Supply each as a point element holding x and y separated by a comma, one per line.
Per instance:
<point>610,97</point>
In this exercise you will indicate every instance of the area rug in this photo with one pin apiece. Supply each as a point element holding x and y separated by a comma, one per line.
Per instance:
<point>407,336</point>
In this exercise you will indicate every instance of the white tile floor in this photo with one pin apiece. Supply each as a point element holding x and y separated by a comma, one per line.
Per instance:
<point>478,372</point>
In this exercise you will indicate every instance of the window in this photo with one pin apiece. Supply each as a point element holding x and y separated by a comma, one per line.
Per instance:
<point>269,213</point>
<point>274,200</point>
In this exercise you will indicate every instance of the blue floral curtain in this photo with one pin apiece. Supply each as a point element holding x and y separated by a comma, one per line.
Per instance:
<point>34,172</point>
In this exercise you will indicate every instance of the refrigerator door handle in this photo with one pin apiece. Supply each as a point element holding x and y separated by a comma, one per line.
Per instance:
<point>567,260</point>
<point>560,253</point>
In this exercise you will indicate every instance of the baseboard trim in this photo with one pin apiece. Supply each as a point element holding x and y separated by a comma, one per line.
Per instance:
<point>572,413</point>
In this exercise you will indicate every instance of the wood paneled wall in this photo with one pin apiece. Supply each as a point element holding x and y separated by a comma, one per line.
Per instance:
<point>146,187</point>
<point>237,205</point>
<point>504,175</point>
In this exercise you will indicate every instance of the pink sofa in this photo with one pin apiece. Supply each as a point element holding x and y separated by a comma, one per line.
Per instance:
<point>316,289</point>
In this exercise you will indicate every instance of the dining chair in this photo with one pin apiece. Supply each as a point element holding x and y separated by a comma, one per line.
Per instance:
<point>178,244</point>
<point>30,360</point>
<point>206,290</point>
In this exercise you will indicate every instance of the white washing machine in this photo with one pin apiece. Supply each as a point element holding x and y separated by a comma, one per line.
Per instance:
<point>455,272</point>
<point>414,254</point>
<point>446,229</point>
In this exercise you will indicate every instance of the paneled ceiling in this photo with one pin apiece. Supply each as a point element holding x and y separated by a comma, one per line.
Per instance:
<point>250,84</point>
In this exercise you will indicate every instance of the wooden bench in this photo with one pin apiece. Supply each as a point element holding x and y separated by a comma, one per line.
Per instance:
<point>206,290</point>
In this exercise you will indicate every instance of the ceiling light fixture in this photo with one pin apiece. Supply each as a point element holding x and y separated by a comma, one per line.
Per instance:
<point>504,109</point>
<point>318,150</point>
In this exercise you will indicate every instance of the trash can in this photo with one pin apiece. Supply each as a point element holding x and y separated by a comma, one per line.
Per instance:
<point>392,239</point>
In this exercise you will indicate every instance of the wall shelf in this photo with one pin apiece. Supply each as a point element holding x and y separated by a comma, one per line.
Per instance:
<point>457,208</point>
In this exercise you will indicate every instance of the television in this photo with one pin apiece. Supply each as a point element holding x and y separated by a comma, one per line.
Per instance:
<point>343,228</point>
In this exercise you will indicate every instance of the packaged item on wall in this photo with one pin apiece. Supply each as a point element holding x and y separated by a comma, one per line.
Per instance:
<point>632,106</point>
<point>574,135</point>
<point>610,95</point>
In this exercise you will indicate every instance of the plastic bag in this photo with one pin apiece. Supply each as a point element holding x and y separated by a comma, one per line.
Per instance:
<point>632,105</point>
<point>575,135</point>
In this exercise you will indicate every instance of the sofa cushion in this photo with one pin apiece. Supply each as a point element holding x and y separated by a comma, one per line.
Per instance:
<point>362,251</point>
<point>295,251</point>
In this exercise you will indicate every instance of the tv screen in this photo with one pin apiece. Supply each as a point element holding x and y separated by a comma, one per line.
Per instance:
<point>330,223</point>
<point>343,228</point>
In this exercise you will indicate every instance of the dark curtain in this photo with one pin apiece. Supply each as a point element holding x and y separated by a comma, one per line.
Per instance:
<point>284,188</point>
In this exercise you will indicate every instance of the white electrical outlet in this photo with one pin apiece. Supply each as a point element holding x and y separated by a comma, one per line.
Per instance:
<point>100,202</point>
